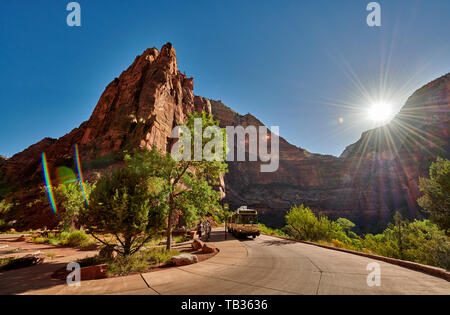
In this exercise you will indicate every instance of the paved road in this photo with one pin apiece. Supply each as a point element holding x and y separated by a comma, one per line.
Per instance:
<point>297,268</point>
<point>268,265</point>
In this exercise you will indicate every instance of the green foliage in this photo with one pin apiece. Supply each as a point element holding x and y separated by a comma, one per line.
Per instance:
<point>4,262</point>
<point>127,204</point>
<point>346,224</point>
<point>5,206</point>
<point>141,261</point>
<point>180,239</point>
<point>71,198</point>
<point>419,241</point>
<point>436,190</point>
<point>269,231</point>
<point>73,238</point>
<point>187,185</point>
<point>303,224</point>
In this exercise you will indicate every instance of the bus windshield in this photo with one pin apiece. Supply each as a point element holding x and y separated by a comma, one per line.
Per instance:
<point>247,219</point>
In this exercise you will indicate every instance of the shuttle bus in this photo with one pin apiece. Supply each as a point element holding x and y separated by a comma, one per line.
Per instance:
<point>244,222</point>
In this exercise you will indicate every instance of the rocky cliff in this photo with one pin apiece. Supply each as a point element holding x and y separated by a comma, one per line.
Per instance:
<point>137,109</point>
<point>374,177</point>
<point>370,181</point>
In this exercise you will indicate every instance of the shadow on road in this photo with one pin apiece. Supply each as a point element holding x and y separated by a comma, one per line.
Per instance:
<point>275,242</point>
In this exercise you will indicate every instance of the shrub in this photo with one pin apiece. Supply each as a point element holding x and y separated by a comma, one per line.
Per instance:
<point>39,240</point>
<point>436,198</point>
<point>140,261</point>
<point>72,199</point>
<point>75,238</point>
<point>269,231</point>
<point>127,205</point>
<point>338,244</point>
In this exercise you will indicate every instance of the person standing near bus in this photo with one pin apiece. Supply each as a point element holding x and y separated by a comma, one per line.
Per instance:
<point>200,229</point>
<point>208,228</point>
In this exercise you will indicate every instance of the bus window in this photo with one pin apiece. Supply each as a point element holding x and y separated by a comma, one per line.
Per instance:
<point>247,219</point>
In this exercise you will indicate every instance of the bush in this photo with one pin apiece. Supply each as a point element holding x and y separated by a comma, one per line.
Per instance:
<point>303,224</point>
<point>421,242</point>
<point>39,240</point>
<point>5,207</point>
<point>72,199</point>
<point>436,198</point>
<point>127,205</point>
<point>75,238</point>
<point>141,261</point>
<point>337,244</point>
<point>269,231</point>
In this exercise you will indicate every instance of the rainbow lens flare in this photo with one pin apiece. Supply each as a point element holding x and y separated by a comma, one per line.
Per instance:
<point>48,183</point>
<point>80,174</point>
<point>66,175</point>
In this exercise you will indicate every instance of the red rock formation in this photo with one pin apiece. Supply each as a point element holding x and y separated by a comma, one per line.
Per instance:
<point>138,109</point>
<point>366,184</point>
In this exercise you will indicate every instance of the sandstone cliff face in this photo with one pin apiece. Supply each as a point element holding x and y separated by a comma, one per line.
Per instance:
<point>138,109</point>
<point>367,184</point>
<point>420,126</point>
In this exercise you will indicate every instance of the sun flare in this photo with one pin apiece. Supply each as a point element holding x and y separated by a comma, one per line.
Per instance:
<point>380,112</point>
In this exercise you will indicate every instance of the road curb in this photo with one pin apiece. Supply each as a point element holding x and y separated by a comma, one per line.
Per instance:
<point>433,271</point>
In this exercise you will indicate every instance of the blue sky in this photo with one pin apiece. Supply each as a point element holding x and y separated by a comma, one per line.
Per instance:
<point>299,65</point>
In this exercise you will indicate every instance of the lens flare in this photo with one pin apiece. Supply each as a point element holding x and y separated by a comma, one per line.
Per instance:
<point>380,112</point>
<point>48,183</point>
<point>80,174</point>
<point>65,175</point>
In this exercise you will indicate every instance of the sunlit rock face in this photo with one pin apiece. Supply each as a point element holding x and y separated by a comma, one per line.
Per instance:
<point>370,181</point>
<point>421,125</point>
<point>137,109</point>
<point>373,177</point>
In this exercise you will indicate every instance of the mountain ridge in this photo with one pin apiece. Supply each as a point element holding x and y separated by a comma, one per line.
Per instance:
<point>142,105</point>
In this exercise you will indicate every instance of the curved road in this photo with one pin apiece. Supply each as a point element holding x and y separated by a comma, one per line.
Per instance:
<point>268,265</point>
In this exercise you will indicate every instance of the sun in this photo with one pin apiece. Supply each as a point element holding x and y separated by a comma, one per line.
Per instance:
<point>380,112</point>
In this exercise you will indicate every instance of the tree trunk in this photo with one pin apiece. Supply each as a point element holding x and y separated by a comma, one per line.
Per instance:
<point>127,246</point>
<point>169,230</point>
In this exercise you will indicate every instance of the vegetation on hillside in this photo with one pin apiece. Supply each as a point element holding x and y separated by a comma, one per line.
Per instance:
<point>425,241</point>
<point>436,190</point>
<point>418,241</point>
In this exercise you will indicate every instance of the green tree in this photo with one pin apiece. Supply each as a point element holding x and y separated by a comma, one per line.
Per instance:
<point>399,231</point>
<point>346,224</point>
<point>70,196</point>
<point>5,207</point>
<point>436,190</point>
<point>303,224</point>
<point>188,182</point>
<point>127,205</point>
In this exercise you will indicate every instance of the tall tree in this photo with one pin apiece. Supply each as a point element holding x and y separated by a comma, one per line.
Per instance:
<point>190,172</point>
<point>436,190</point>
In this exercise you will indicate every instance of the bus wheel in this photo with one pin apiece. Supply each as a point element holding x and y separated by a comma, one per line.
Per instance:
<point>254,236</point>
